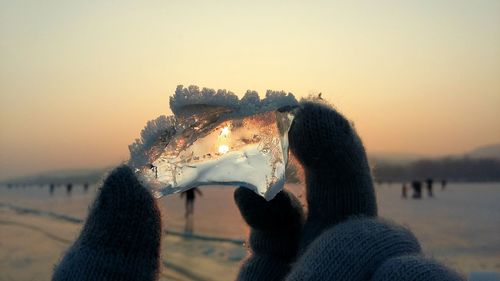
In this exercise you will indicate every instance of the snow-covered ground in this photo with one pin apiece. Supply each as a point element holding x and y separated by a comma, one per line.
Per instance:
<point>459,226</point>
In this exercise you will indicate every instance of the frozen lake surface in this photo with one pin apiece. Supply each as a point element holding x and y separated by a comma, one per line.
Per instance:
<point>459,225</point>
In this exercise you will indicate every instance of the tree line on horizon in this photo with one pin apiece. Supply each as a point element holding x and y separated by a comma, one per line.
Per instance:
<point>463,169</point>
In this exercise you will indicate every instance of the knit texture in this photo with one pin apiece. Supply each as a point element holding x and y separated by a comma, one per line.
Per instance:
<point>353,250</point>
<point>121,236</point>
<point>414,268</point>
<point>342,238</point>
<point>275,234</point>
<point>338,178</point>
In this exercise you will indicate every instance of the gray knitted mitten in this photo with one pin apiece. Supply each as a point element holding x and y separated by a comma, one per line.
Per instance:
<point>341,238</point>
<point>121,237</point>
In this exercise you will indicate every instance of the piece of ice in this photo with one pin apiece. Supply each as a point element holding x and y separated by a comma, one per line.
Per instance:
<point>214,145</point>
<point>250,151</point>
<point>215,138</point>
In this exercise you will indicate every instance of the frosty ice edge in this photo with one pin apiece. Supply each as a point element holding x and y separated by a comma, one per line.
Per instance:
<point>215,138</point>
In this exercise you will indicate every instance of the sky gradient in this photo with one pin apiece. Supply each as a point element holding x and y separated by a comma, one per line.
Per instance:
<point>79,79</point>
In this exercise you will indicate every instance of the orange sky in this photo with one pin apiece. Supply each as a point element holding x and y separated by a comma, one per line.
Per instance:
<point>78,81</point>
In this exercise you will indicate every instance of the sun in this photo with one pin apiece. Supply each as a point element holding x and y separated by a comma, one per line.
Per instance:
<point>224,132</point>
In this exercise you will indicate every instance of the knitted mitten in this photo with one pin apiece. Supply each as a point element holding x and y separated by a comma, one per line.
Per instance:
<point>414,268</point>
<point>353,250</point>
<point>338,179</point>
<point>121,237</point>
<point>342,238</point>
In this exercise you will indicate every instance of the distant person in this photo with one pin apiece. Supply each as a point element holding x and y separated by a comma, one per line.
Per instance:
<point>85,187</point>
<point>340,237</point>
<point>51,188</point>
<point>404,191</point>
<point>429,183</point>
<point>443,184</point>
<point>190,195</point>
<point>417,189</point>
<point>69,187</point>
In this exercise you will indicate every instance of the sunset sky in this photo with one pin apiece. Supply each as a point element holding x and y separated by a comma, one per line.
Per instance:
<point>79,79</point>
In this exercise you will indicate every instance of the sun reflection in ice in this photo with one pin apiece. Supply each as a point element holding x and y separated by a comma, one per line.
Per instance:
<point>223,148</point>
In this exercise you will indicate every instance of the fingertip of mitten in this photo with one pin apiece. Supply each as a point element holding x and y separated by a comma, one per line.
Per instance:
<point>284,211</point>
<point>320,136</point>
<point>121,178</point>
<point>122,187</point>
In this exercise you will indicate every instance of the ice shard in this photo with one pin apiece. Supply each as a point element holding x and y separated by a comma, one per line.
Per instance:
<point>210,144</point>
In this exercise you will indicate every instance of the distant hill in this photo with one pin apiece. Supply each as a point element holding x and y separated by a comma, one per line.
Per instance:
<point>487,151</point>
<point>479,165</point>
<point>491,151</point>
<point>394,158</point>
<point>61,177</point>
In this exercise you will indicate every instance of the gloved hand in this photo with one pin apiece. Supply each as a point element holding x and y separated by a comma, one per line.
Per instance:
<point>121,237</point>
<point>341,238</point>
